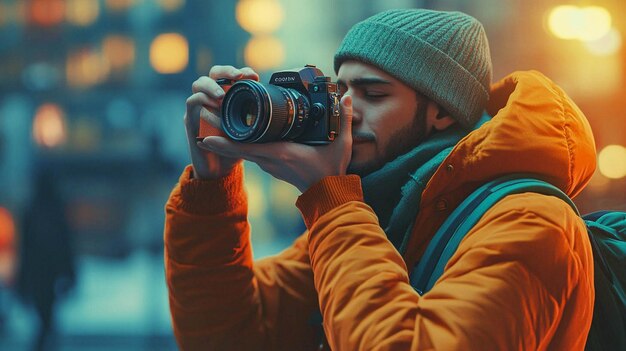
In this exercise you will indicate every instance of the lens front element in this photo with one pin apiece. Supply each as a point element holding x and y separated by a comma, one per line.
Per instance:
<point>253,112</point>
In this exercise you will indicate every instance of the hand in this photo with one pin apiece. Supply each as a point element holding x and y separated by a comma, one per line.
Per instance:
<point>298,164</point>
<point>205,103</point>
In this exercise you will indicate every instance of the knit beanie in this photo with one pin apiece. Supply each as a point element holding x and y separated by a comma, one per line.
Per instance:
<point>442,55</point>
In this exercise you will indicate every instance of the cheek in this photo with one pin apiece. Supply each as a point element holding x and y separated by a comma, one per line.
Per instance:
<point>403,113</point>
<point>389,117</point>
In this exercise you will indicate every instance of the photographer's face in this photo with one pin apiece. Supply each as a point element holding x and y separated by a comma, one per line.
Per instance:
<point>389,118</point>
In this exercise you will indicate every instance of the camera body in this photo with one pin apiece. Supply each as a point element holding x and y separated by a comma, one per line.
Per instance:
<point>323,106</point>
<point>300,105</point>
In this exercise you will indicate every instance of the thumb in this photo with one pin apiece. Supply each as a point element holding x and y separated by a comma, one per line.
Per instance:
<point>346,117</point>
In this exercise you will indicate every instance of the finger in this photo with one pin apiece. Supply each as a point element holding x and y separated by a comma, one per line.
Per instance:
<point>208,130</point>
<point>230,72</point>
<point>211,118</point>
<point>225,152</point>
<point>264,150</point>
<point>208,86</point>
<point>201,99</point>
<point>249,73</point>
<point>346,117</point>
<point>226,147</point>
<point>209,124</point>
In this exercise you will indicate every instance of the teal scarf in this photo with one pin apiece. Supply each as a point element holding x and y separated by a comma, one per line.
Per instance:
<point>395,190</point>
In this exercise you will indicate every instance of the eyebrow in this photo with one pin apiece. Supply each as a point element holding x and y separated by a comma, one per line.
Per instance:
<point>365,81</point>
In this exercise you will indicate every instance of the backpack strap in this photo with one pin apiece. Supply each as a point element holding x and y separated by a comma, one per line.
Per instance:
<point>591,220</point>
<point>595,216</point>
<point>447,239</point>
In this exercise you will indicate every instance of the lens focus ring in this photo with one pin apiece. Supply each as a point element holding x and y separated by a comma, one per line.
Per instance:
<point>278,114</point>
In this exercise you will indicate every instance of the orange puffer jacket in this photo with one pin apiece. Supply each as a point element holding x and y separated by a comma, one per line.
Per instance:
<point>522,279</point>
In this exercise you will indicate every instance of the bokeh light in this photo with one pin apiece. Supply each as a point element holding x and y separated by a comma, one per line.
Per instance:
<point>169,53</point>
<point>7,246</point>
<point>171,5</point>
<point>86,67</point>
<point>46,13</point>
<point>597,23</point>
<point>612,161</point>
<point>119,51</point>
<point>7,229</point>
<point>256,194</point>
<point>82,12</point>
<point>583,23</point>
<point>119,5</point>
<point>41,76</point>
<point>264,53</point>
<point>49,128</point>
<point>609,44</point>
<point>259,16</point>
<point>562,21</point>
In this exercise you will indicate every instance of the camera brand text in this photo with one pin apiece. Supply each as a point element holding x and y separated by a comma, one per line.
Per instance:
<point>284,79</point>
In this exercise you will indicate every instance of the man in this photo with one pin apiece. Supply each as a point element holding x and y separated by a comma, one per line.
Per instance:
<point>413,145</point>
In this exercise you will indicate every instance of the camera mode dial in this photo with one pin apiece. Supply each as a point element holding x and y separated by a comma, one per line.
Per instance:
<point>317,111</point>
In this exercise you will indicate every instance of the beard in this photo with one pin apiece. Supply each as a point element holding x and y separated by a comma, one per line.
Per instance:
<point>400,142</point>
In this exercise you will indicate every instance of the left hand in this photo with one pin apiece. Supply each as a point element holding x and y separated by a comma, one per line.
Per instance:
<point>298,164</point>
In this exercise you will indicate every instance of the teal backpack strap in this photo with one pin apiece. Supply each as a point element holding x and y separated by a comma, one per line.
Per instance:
<point>447,239</point>
<point>607,231</point>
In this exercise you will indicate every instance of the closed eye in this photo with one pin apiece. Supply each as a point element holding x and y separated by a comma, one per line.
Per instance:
<point>364,86</point>
<point>374,95</point>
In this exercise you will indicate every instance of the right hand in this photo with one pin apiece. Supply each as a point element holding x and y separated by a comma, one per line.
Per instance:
<point>205,103</point>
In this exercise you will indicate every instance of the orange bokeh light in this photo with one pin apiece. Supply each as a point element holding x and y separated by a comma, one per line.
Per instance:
<point>46,13</point>
<point>49,126</point>
<point>169,53</point>
<point>264,52</point>
<point>7,229</point>
<point>119,51</point>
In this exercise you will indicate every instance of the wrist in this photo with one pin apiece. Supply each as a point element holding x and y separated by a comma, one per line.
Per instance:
<point>210,195</point>
<point>213,170</point>
<point>327,194</point>
<point>209,175</point>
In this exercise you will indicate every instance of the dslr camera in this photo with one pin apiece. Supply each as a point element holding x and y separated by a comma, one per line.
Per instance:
<point>299,105</point>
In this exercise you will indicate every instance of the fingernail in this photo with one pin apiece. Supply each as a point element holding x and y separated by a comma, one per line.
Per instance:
<point>219,92</point>
<point>206,142</point>
<point>206,147</point>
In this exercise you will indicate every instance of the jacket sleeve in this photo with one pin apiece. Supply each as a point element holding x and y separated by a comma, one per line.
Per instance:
<point>512,284</point>
<point>219,298</point>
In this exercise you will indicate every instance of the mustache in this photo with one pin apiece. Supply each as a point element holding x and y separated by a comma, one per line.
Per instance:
<point>363,136</point>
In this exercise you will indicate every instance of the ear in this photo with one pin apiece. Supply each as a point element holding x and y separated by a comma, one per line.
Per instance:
<point>437,118</point>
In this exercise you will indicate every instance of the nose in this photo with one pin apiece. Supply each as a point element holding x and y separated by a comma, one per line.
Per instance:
<point>356,118</point>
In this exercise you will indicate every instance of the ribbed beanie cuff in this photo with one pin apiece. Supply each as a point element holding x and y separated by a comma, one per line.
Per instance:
<point>459,84</point>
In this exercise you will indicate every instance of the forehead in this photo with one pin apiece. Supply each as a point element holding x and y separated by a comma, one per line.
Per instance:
<point>355,69</point>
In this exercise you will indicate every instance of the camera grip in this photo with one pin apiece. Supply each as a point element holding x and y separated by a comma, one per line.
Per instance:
<point>205,128</point>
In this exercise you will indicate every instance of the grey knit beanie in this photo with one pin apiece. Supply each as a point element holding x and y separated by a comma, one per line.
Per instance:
<point>443,55</point>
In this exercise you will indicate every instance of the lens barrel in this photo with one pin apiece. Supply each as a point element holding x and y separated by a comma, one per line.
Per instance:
<point>254,112</point>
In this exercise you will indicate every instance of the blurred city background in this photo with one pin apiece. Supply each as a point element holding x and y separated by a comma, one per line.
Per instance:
<point>92,95</point>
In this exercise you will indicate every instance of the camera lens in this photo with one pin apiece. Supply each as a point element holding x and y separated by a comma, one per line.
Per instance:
<point>253,112</point>
<point>245,109</point>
